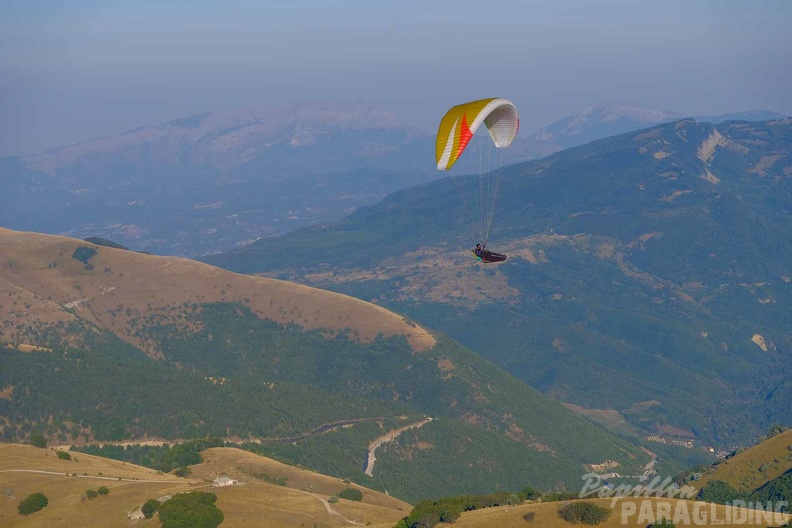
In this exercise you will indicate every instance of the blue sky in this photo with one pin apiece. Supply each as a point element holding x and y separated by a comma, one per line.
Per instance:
<point>73,71</point>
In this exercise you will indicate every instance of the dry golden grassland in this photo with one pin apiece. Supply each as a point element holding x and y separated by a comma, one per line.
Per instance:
<point>626,513</point>
<point>254,502</point>
<point>40,281</point>
<point>300,500</point>
<point>65,491</point>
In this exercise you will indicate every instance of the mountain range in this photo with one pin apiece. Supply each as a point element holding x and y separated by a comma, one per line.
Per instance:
<point>104,344</point>
<point>211,181</point>
<point>647,289</point>
<point>611,119</point>
<point>647,285</point>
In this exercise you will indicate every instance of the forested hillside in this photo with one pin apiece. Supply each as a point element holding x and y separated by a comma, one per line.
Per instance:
<point>648,280</point>
<point>104,344</point>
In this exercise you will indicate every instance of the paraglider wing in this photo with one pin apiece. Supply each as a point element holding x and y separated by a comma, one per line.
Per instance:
<point>461,122</point>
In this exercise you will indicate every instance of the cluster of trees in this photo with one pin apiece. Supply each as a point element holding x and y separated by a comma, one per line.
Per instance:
<point>352,494</point>
<point>164,458</point>
<point>428,513</point>
<point>196,509</point>
<point>37,440</point>
<point>583,512</point>
<point>84,254</point>
<point>32,503</point>
<point>93,493</point>
<point>150,507</point>
<point>719,492</point>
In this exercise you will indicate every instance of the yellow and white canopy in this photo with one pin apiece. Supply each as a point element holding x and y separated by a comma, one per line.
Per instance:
<point>461,122</point>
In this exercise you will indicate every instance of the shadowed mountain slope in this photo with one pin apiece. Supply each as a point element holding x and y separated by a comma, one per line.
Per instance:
<point>648,279</point>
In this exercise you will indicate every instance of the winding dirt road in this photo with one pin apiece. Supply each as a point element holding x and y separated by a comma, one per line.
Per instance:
<point>71,475</point>
<point>387,437</point>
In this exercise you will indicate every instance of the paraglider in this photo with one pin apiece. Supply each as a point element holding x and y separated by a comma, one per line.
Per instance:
<point>457,128</point>
<point>486,256</point>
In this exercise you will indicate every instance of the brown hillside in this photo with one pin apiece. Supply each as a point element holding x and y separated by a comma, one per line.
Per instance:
<point>40,281</point>
<point>625,512</point>
<point>755,466</point>
<point>303,488</point>
<point>254,502</point>
<point>26,469</point>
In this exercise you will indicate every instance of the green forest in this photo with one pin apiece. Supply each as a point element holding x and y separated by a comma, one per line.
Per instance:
<point>240,376</point>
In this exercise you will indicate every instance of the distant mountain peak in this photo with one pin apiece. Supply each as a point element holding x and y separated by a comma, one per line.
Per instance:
<point>223,139</point>
<point>610,112</point>
<point>601,121</point>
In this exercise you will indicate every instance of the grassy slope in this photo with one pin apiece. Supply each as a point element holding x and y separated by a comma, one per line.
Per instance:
<point>127,282</point>
<point>742,471</point>
<point>253,502</point>
<point>64,492</point>
<point>546,515</point>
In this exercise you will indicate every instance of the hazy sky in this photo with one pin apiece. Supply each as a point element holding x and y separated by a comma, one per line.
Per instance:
<point>72,71</point>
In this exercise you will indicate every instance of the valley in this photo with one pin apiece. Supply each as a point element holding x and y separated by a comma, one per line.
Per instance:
<point>614,293</point>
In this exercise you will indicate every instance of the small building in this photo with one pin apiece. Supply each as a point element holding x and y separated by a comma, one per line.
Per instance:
<point>221,482</point>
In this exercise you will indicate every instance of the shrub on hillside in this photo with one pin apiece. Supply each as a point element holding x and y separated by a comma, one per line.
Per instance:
<point>530,493</point>
<point>37,440</point>
<point>103,490</point>
<point>662,523</point>
<point>91,494</point>
<point>583,512</point>
<point>351,494</point>
<point>148,509</point>
<point>84,254</point>
<point>529,517</point>
<point>63,455</point>
<point>32,503</point>
<point>560,496</point>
